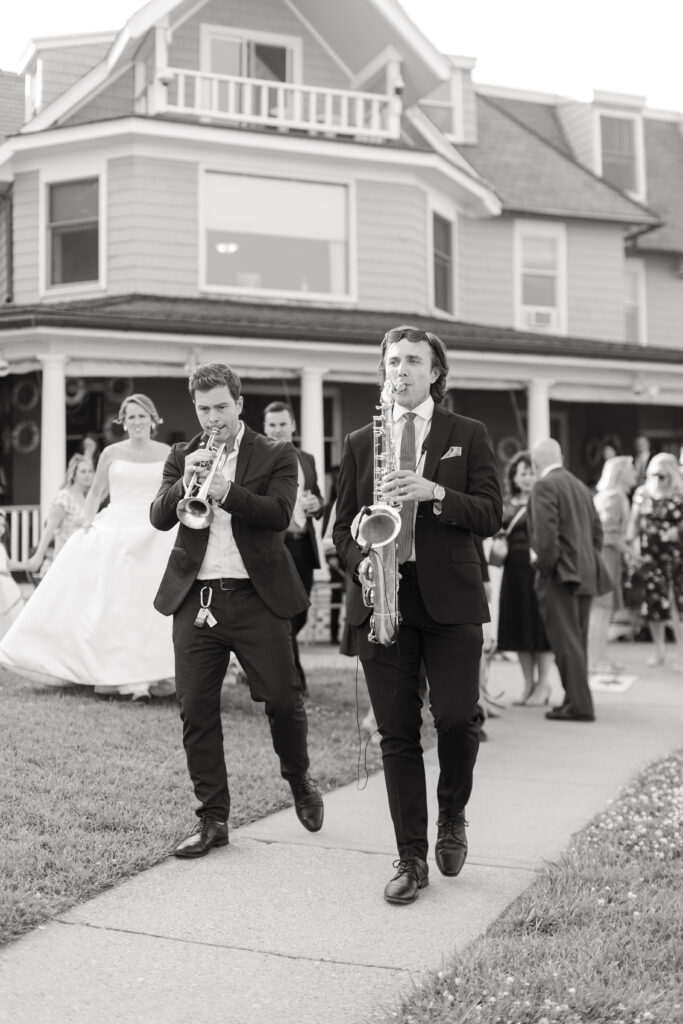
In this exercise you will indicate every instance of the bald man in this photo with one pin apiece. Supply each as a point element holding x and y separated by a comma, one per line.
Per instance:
<point>566,537</point>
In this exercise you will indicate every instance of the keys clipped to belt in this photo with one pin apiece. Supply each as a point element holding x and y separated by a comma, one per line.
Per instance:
<point>205,615</point>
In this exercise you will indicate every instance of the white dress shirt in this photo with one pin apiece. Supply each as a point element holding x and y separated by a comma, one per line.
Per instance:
<point>222,557</point>
<point>423,421</point>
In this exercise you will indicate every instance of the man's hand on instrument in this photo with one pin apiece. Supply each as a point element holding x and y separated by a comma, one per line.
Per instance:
<point>199,462</point>
<point>405,485</point>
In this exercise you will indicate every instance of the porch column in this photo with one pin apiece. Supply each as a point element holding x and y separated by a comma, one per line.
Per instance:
<point>538,410</point>
<point>312,427</point>
<point>53,429</point>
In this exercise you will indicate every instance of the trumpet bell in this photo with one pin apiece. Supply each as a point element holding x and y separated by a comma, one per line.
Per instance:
<point>380,526</point>
<point>195,513</point>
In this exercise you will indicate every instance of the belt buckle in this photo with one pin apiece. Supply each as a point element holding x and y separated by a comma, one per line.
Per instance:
<point>221,581</point>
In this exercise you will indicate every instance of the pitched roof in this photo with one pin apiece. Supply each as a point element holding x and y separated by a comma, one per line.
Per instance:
<point>532,175</point>
<point>539,117</point>
<point>230,318</point>
<point>11,103</point>
<point>664,174</point>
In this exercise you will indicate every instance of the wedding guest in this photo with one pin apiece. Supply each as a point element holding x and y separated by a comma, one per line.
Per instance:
<point>656,530</point>
<point>520,626</point>
<point>612,505</point>
<point>65,513</point>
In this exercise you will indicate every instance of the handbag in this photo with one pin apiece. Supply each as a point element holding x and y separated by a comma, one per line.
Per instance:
<point>634,588</point>
<point>499,545</point>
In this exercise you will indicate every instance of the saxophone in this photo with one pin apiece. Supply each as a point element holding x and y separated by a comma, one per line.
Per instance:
<point>378,529</point>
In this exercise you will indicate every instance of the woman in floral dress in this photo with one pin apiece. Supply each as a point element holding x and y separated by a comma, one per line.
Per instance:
<point>656,531</point>
<point>65,514</point>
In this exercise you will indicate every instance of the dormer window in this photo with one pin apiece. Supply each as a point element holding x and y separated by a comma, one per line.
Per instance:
<point>621,162</point>
<point>444,106</point>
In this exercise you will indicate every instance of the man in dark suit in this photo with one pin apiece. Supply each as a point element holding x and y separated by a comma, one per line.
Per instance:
<point>231,585</point>
<point>449,493</point>
<point>279,424</point>
<point>566,539</point>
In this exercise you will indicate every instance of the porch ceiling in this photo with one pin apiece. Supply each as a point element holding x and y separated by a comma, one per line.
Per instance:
<point>194,319</point>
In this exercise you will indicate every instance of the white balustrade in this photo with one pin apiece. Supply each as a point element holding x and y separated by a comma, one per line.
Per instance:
<point>281,104</point>
<point>23,528</point>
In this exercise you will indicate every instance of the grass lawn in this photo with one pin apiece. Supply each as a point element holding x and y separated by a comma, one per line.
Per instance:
<point>598,937</point>
<point>95,790</point>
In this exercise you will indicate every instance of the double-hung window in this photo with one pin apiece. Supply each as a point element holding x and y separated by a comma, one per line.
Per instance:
<point>442,233</point>
<point>276,235</point>
<point>621,161</point>
<point>541,277</point>
<point>73,231</point>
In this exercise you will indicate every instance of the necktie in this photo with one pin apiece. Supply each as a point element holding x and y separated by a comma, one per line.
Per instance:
<point>407,458</point>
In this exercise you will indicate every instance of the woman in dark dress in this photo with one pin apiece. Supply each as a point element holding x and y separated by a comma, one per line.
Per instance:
<point>520,627</point>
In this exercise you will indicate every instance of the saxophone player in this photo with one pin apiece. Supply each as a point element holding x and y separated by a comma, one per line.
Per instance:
<point>448,490</point>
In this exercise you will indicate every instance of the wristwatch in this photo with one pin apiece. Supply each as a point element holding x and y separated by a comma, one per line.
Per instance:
<point>439,495</point>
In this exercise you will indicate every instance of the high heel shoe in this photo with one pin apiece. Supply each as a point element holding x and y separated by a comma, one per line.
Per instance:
<point>524,699</point>
<point>656,659</point>
<point>539,696</point>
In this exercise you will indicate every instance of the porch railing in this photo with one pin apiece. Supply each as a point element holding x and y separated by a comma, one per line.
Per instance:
<point>23,528</point>
<point>253,101</point>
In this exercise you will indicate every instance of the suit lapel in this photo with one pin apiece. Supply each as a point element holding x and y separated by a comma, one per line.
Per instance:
<point>437,442</point>
<point>244,454</point>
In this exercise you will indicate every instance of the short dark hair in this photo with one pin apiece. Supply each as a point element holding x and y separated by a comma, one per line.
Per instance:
<point>214,375</point>
<point>439,356</point>
<point>519,458</point>
<point>279,407</point>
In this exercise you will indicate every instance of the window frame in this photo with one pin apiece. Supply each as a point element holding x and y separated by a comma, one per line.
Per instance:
<point>636,119</point>
<point>637,264</point>
<point>293,45</point>
<point>434,213</point>
<point>558,233</point>
<point>456,105</point>
<point>266,294</point>
<point>64,175</point>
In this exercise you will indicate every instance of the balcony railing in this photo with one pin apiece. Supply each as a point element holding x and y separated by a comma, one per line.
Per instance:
<point>281,105</point>
<point>23,527</point>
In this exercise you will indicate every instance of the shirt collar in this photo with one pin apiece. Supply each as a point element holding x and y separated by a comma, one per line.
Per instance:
<point>549,469</point>
<point>238,437</point>
<point>425,409</point>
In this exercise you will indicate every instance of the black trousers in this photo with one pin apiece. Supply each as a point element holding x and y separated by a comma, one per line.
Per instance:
<point>566,617</point>
<point>262,643</point>
<point>299,546</point>
<point>451,655</point>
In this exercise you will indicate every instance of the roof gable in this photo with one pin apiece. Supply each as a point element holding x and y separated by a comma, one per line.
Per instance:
<point>532,175</point>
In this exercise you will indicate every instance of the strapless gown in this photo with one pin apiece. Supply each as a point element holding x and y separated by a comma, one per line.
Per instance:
<point>91,620</point>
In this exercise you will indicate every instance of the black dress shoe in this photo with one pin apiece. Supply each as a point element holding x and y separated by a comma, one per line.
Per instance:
<point>450,851</point>
<point>308,802</point>
<point>412,874</point>
<point>567,714</point>
<point>208,833</point>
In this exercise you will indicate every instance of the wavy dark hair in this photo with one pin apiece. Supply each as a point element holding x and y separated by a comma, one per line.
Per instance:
<point>207,376</point>
<point>519,458</point>
<point>439,356</point>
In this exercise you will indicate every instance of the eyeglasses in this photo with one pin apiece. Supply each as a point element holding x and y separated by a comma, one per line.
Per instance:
<point>409,333</point>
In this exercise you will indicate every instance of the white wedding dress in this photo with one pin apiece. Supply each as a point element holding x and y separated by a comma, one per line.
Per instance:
<point>91,620</point>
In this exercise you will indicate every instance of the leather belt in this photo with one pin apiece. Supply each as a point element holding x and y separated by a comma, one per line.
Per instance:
<point>225,583</point>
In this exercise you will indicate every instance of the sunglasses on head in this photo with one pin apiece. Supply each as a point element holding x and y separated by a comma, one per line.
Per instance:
<point>409,333</point>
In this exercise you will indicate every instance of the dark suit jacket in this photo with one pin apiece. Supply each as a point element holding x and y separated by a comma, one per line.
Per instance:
<point>311,484</point>
<point>566,533</point>
<point>260,501</point>
<point>448,560</point>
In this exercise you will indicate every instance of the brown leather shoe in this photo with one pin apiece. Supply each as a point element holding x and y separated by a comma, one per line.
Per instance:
<point>207,834</point>
<point>308,803</point>
<point>412,874</point>
<point>450,851</point>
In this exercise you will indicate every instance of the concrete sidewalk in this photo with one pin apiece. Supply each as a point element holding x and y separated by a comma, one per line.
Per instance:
<point>285,927</point>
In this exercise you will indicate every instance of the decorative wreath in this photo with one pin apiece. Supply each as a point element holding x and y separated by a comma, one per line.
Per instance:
<point>25,394</point>
<point>76,391</point>
<point>507,447</point>
<point>118,388</point>
<point>25,437</point>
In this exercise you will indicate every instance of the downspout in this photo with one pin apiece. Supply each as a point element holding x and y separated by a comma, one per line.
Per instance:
<point>6,212</point>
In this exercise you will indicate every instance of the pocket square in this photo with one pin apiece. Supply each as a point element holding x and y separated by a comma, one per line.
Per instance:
<point>452,452</point>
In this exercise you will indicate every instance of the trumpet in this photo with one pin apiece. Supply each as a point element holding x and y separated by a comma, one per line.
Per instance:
<point>194,509</point>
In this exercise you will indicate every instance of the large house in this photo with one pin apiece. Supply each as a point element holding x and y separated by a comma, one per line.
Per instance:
<point>275,183</point>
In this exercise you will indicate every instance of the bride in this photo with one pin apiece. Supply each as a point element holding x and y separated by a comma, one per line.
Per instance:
<point>91,620</point>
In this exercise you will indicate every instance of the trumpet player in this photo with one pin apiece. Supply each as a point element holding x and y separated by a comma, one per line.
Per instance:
<point>445,482</point>
<point>231,585</point>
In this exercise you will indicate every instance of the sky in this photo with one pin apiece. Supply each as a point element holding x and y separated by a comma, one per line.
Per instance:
<point>568,49</point>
